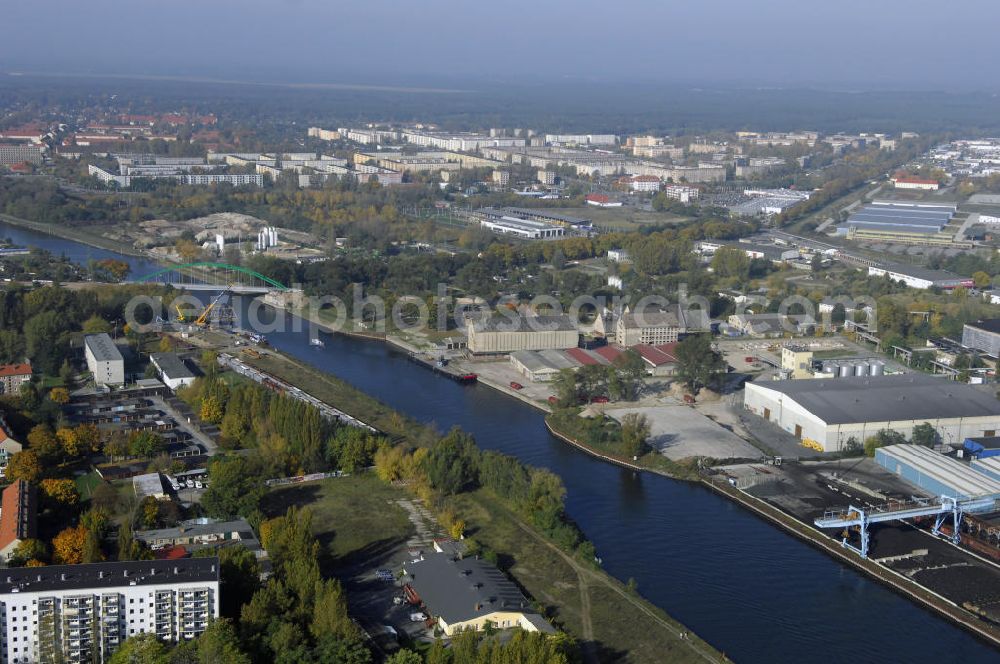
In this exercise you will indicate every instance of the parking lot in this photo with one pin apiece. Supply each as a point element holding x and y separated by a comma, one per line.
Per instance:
<point>376,595</point>
<point>679,431</point>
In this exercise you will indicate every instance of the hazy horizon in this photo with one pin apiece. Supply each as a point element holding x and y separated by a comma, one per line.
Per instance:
<point>850,45</point>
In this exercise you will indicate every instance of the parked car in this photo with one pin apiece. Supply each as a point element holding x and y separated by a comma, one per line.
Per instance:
<point>516,386</point>
<point>419,616</point>
<point>599,400</point>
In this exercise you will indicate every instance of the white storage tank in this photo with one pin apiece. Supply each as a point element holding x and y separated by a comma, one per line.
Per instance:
<point>846,370</point>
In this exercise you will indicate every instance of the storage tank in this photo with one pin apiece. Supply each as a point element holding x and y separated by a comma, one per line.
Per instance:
<point>845,370</point>
<point>861,369</point>
<point>829,367</point>
<point>878,368</point>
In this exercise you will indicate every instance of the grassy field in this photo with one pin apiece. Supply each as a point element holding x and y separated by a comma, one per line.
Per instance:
<point>354,518</point>
<point>586,602</point>
<point>623,218</point>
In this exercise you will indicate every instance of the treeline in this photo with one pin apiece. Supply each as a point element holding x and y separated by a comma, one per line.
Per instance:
<point>454,465</point>
<point>39,323</point>
<point>289,435</point>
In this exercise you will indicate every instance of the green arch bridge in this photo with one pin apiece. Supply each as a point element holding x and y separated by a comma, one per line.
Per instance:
<point>213,276</point>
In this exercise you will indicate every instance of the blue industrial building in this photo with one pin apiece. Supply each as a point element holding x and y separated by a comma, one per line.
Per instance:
<point>982,447</point>
<point>899,218</point>
<point>936,474</point>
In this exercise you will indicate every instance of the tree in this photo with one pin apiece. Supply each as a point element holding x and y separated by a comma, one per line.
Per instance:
<point>59,395</point>
<point>629,369</point>
<point>981,279</point>
<point>68,546</point>
<point>44,443</point>
<point>219,643</point>
<point>235,488</point>
<point>451,463</point>
<point>141,649</point>
<point>211,410</point>
<point>61,491</point>
<point>404,657</point>
<point>25,466</point>
<point>68,441</point>
<point>635,432</point>
<point>853,448</point>
<point>28,550</point>
<point>145,444</point>
<point>731,263</point>
<point>925,434</point>
<point>881,439</point>
<point>697,362</point>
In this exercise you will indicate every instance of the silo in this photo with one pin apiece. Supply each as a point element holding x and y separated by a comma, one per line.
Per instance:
<point>274,236</point>
<point>878,368</point>
<point>861,369</point>
<point>846,370</point>
<point>829,366</point>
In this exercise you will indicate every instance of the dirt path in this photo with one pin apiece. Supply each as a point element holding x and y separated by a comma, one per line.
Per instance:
<point>588,576</point>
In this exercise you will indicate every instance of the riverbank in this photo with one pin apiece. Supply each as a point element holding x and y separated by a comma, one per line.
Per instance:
<point>74,234</point>
<point>594,607</point>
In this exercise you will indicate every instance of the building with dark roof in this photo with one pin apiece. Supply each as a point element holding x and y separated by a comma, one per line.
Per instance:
<point>467,593</point>
<point>826,413</point>
<point>83,613</point>
<point>172,369</point>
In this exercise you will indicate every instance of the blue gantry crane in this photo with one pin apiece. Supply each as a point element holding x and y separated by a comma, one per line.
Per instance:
<point>941,509</point>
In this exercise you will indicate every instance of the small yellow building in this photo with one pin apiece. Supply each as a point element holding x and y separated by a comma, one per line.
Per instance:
<point>797,361</point>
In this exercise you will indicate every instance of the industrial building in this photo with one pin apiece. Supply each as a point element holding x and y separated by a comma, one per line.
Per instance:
<point>650,327</point>
<point>505,334</point>
<point>915,276</point>
<point>912,223</point>
<point>935,473</point>
<point>989,466</point>
<point>533,214</point>
<point>910,182</point>
<point>983,335</point>
<point>467,593</point>
<point>104,360</point>
<point>83,613</point>
<point>523,228</point>
<point>828,412</point>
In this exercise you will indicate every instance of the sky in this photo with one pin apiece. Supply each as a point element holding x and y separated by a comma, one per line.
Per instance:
<point>841,44</point>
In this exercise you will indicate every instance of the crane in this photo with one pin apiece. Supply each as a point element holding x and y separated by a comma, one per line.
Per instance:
<point>203,318</point>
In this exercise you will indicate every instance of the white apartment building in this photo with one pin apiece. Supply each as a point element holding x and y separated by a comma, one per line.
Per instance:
<point>82,613</point>
<point>681,192</point>
<point>104,360</point>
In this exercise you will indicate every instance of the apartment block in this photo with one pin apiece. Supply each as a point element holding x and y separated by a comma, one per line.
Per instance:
<point>82,613</point>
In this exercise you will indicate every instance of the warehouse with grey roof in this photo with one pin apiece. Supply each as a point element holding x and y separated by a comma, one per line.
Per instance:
<point>826,413</point>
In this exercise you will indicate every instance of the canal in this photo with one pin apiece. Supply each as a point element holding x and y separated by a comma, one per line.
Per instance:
<point>743,585</point>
